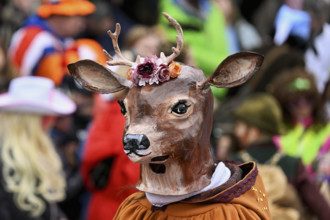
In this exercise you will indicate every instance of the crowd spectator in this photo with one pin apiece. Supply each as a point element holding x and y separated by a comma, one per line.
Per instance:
<point>241,35</point>
<point>39,46</point>
<point>307,130</point>
<point>292,23</point>
<point>32,179</point>
<point>225,146</point>
<point>258,119</point>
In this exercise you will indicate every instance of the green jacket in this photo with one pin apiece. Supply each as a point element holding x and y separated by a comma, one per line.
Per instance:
<point>306,144</point>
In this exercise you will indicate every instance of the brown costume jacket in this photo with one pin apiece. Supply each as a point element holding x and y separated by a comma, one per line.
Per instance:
<point>241,197</point>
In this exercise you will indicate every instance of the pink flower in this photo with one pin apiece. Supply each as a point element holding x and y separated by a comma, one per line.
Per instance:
<point>163,74</point>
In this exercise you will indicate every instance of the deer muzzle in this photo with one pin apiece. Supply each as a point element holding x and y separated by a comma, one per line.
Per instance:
<point>135,144</point>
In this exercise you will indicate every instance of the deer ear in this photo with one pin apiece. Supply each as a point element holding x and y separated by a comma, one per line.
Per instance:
<point>234,70</point>
<point>97,78</point>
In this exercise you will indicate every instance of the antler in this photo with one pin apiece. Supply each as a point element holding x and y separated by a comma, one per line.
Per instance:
<point>120,60</point>
<point>179,40</point>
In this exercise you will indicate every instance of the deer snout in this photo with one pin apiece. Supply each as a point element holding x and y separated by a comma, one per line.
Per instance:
<point>135,142</point>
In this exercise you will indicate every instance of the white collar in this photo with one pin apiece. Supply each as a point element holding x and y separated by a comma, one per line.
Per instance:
<point>220,176</point>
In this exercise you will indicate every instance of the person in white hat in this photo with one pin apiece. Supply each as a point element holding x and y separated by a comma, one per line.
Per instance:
<point>31,178</point>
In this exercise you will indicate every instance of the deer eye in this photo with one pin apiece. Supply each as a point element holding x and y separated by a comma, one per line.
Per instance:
<point>180,108</point>
<point>122,107</point>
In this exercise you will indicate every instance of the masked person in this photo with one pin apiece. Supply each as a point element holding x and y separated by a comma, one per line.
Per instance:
<point>168,109</point>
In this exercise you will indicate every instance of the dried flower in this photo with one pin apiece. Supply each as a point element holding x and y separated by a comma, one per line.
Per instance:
<point>163,73</point>
<point>146,70</point>
<point>175,69</point>
<point>129,74</point>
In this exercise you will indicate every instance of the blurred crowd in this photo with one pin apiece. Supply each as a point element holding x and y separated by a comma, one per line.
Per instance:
<point>68,163</point>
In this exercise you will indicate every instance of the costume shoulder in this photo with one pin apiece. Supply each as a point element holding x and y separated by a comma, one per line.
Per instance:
<point>244,191</point>
<point>135,206</point>
<point>253,202</point>
<point>247,201</point>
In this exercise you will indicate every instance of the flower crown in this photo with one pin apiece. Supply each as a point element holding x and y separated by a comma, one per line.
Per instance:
<point>153,70</point>
<point>150,69</point>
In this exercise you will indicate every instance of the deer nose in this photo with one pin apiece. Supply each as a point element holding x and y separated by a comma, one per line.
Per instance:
<point>134,142</point>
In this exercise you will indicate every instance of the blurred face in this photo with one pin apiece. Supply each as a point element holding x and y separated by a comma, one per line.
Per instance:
<point>147,45</point>
<point>70,26</point>
<point>223,147</point>
<point>301,108</point>
<point>241,130</point>
<point>70,149</point>
<point>245,134</point>
<point>64,123</point>
<point>26,6</point>
<point>226,7</point>
<point>295,4</point>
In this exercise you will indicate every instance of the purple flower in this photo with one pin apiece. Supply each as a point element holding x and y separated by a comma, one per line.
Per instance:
<point>163,74</point>
<point>145,70</point>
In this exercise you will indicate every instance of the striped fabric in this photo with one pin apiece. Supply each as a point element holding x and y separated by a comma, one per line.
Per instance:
<point>34,46</point>
<point>36,50</point>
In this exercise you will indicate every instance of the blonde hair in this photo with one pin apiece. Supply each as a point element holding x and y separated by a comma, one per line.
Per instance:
<point>32,169</point>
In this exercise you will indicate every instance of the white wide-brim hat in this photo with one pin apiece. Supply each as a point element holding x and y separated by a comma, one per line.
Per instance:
<point>36,95</point>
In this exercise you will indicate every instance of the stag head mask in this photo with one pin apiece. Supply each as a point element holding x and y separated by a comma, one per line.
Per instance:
<point>168,109</point>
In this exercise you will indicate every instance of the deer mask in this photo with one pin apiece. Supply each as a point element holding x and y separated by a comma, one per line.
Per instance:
<point>168,120</point>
